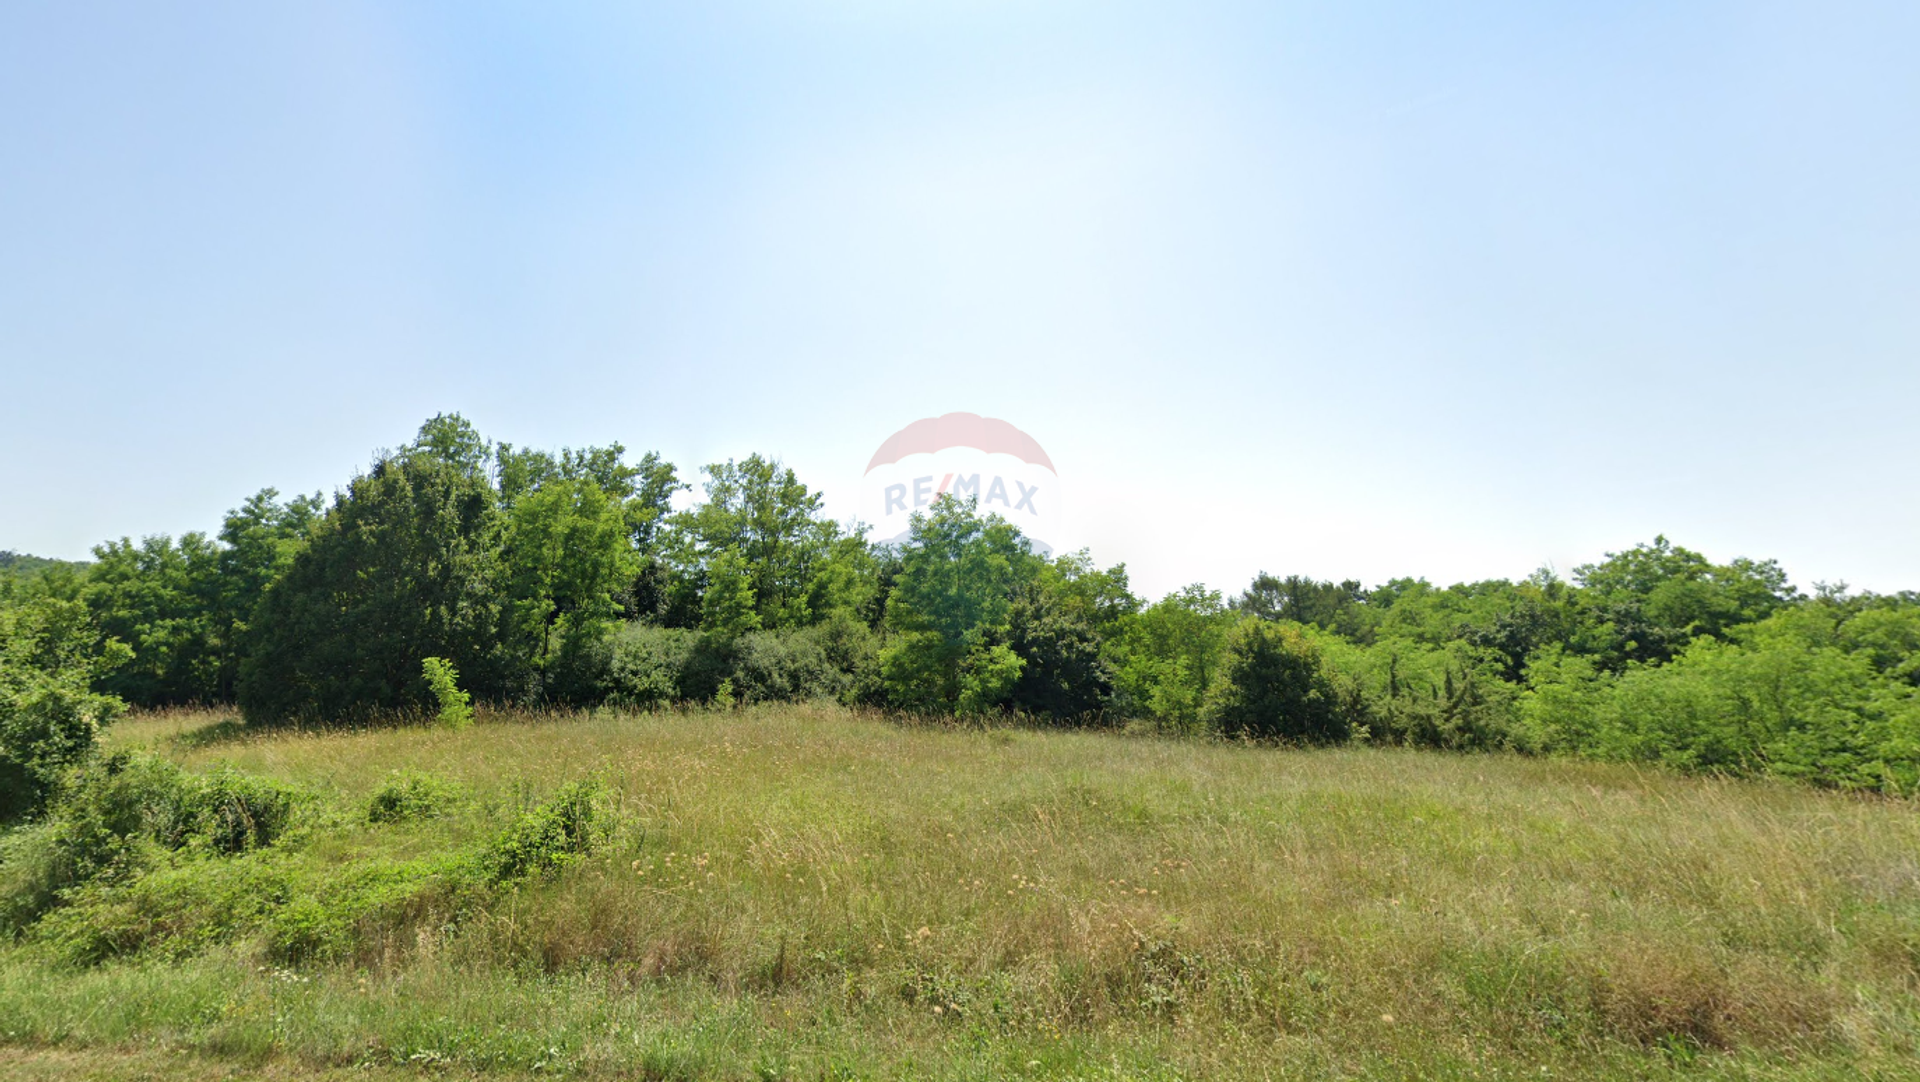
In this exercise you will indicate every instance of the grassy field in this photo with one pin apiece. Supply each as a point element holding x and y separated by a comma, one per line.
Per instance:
<point>807,893</point>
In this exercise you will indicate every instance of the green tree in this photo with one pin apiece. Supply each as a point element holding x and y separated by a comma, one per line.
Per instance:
<point>159,598</point>
<point>1648,603</point>
<point>1062,674</point>
<point>1331,606</point>
<point>1166,656</point>
<point>452,439</point>
<point>50,654</point>
<point>728,608</point>
<point>759,511</point>
<point>404,566</point>
<point>546,496</point>
<point>1272,684</point>
<point>184,607</point>
<point>258,539</point>
<point>568,560</point>
<point>948,612</point>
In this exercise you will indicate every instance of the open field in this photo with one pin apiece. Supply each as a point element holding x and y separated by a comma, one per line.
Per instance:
<point>804,892</point>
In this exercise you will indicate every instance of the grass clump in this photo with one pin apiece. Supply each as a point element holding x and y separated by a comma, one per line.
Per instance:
<point>410,795</point>
<point>552,835</point>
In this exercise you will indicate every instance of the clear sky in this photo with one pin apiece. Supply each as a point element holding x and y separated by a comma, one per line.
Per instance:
<point>1346,289</point>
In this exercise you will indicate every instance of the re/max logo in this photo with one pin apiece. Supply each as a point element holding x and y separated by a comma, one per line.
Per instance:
<point>924,492</point>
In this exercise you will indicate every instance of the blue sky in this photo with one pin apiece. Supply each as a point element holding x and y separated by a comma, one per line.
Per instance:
<point>1349,289</point>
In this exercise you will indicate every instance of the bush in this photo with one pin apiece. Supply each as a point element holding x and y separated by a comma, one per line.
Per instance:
<point>1779,708</point>
<point>1408,692</point>
<point>1166,655</point>
<point>1272,685</point>
<point>409,795</point>
<point>235,812</point>
<point>361,909</point>
<point>49,717</point>
<point>648,665</point>
<point>551,836</point>
<point>824,661</point>
<point>109,812</point>
<point>443,680</point>
<point>1062,676</point>
<point>118,812</point>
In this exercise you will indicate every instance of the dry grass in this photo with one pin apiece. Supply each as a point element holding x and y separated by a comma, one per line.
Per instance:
<point>852,894</point>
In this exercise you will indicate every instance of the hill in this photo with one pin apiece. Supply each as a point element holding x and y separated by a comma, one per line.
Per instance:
<point>812,893</point>
<point>24,566</point>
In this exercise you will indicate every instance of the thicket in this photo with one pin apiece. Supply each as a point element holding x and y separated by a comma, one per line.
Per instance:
<point>570,579</point>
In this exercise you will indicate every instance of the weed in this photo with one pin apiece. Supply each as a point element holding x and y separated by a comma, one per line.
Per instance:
<point>552,835</point>
<point>456,710</point>
<point>409,795</point>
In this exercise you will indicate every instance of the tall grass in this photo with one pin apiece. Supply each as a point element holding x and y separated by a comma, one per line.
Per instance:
<point>802,891</point>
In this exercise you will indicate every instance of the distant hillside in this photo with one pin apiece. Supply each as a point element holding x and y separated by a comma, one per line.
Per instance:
<point>25,566</point>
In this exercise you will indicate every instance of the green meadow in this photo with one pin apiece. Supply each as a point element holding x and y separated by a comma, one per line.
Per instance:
<point>810,892</point>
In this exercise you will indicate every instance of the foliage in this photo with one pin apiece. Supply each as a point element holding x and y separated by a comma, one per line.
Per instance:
<point>949,609</point>
<point>443,680</point>
<point>159,598</point>
<point>649,665</point>
<point>1653,599</point>
<point>409,795</point>
<point>552,835</point>
<point>404,566</point>
<point>22,566</point>
<point>119,810</point>
<point>824,661</point>
<point>729,609</point>
<point>1330,606</point>
<point>566,578</point>
<point>185,606</point>
<point>50,653</point>
<point>1775,703</point>
<point>1054,658</point>
<point>1165,657</point>
<point>759,537</point>
<point>1272,685</point>
<point>1404,691</point>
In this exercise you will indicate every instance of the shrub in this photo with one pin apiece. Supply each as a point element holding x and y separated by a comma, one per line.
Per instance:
<point>115,814</point>
<point>49,656</point>
<point>1062,676</point>
<point>1271,685</point>
<point>234,812</point>
<point>363,909</point>
<point>408,795</point>
<point>987,677</point>
<point>551,836</point>
<point>1419,694</point>
<point>456,709</point>
<point>819,662</point>
<point>648,665</point>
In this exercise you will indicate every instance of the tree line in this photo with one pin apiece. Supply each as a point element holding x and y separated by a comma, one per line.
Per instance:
<point>569,579</point>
